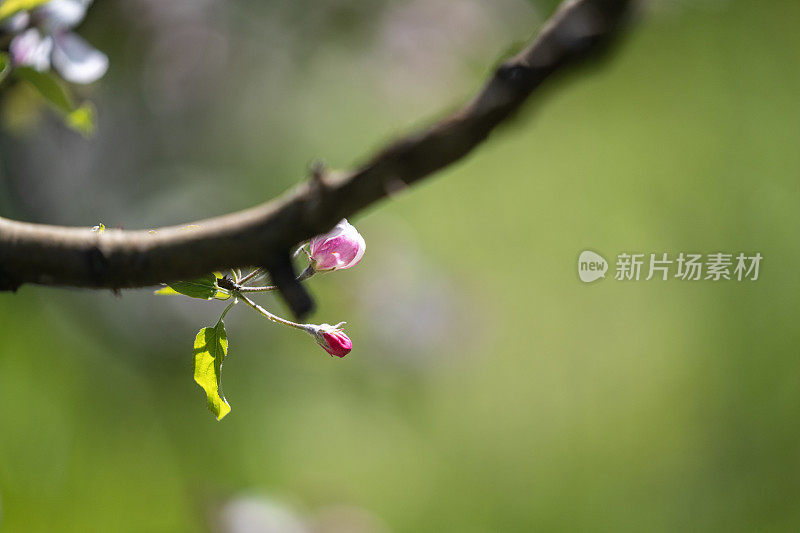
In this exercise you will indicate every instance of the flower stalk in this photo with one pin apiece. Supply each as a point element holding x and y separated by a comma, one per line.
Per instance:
<point>342,247</point>
<point>332,339</point>
<point>270,316</point>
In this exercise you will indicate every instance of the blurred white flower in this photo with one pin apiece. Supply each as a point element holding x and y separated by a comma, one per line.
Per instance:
<point>49,41</point>
<point>260,514</point>
<point>251,514</point>
<point>60,15</point>
<point>76,60</point>
<point>31,49</point>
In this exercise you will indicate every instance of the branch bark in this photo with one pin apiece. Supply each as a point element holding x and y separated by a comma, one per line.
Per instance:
<point>264,235</point>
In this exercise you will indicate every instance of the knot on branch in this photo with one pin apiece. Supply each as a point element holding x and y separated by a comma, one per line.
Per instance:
<point>317,189</point>
<point>318,173</point>
<point>521,78</point>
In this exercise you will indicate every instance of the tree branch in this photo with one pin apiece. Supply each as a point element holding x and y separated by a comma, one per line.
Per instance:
<point>264,235</point>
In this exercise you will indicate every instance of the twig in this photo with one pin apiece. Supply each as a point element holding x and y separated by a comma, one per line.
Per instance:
<point>270,316</point>
<point>251,275</point>
<point>264,235</point>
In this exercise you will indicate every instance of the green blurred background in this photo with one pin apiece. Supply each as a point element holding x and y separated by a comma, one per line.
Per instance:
<point>489,389</point>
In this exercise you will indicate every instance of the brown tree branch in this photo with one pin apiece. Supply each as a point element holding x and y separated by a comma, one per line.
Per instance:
<point>263,235</point>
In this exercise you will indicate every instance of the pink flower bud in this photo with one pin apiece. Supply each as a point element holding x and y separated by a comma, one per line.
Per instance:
<point>342,247</point>
<point>332,339</point>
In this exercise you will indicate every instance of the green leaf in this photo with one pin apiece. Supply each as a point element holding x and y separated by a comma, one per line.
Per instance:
<point>210,349</point>
<point>49,88</point>
<point>79,118</point>
<point>10,7</point>
<point>166,290</point>
<point>222,294</point>
<point>204,288</point>
<point>5,66</point>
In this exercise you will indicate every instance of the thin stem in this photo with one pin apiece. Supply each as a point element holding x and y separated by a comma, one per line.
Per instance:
<point>225,312</point>
<point>304,275</point>
<point>270,316</point>
<point>265,288</point>
<point>250,276</point>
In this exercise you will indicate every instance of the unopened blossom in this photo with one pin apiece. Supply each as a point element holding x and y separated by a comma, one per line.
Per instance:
<point>342,247</point>
<point>48,41</point>
<point>332,339</point>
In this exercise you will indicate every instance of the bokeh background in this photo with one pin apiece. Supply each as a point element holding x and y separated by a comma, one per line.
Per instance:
<point>489,389</point>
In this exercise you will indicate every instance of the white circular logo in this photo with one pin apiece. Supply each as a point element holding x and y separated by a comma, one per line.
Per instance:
<point>591,266</point>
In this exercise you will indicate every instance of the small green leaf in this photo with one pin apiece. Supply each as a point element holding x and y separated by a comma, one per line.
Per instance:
<point>166,290</point>
<point>10,7</point>
<point>222,294</point>
<point>204,288</point>
<point>210,349</point>
<point>5,66</point>
<point>49,88</point>
<point>82,119</point>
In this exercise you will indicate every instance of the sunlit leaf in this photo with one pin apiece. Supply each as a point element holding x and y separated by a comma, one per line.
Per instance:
<point>204,288</point>
<point>166,290</point>
<point>210,349</point>
<point>221,294</point>
<point>10,7</point>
